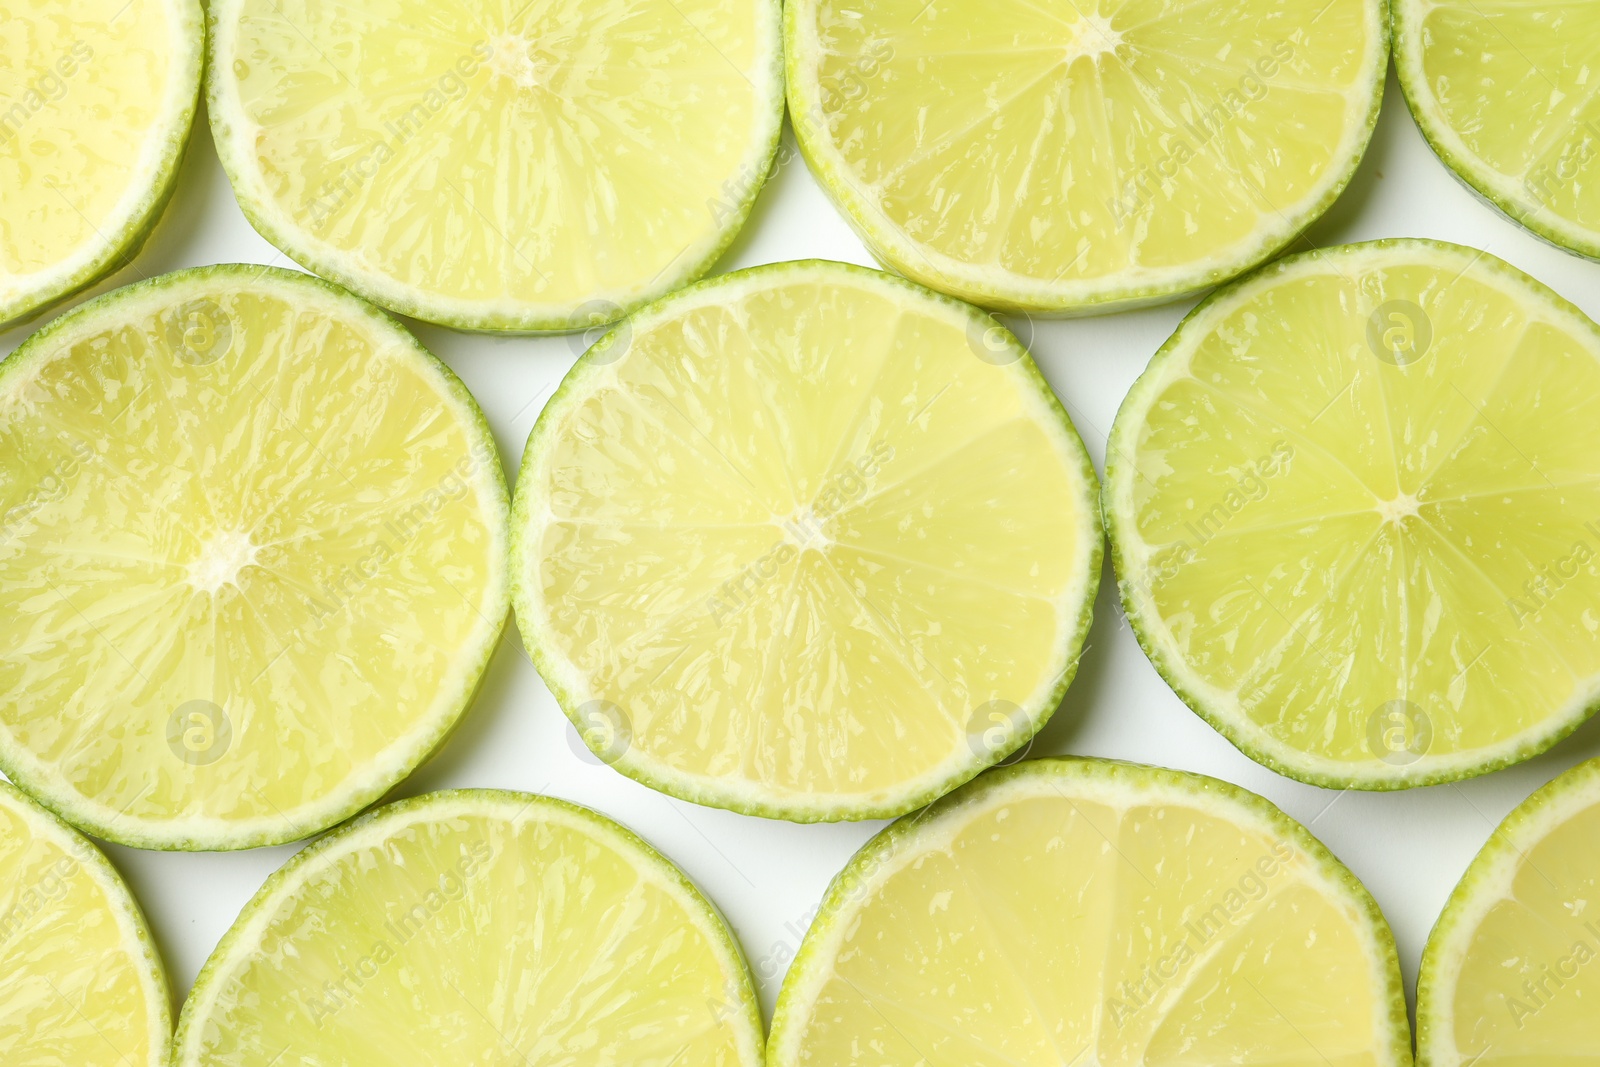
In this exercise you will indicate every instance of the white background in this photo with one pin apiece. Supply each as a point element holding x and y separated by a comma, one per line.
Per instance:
<point>1409,848</point>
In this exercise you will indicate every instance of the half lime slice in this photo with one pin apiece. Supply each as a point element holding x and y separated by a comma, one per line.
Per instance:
<point>80,981</point>
<point>475,927</point>
<point>1088,156</point>
<point>96,101</point>
<point>1354,505</point>
<point>806,541</point>
<point>1511,973</point>
<point>537,165</point>
<point>253,551</point>
<point>1086,912</point>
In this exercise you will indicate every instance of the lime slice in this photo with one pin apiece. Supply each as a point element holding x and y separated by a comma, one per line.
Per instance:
<point>1066,912</point>
<point>1354,505</point>
<point>253,550</point>
<point>475,927</point>
<point>1512,970</point>
<point>96,101</point>
<point>1503,92</point>
<point>80,982</point>
<point>538,165</point>
<point>1083,157</point>
<point>805,541</point>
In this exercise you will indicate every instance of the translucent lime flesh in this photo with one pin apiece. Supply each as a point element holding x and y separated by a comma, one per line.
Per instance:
<point>532,165</point>
<point>1370,566</point>
<point>253,538</point>
<point>475,928</point>
<point>79,981</point>
<point>1055,914</point>
<point>1060,156</point>
<point>799,541</point>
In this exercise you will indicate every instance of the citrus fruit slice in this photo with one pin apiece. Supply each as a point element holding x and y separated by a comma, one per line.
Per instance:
<point>1512,969</point>
<point>1086,156</point>
<point>253,550</point>
<point>1087,912</point>
<point>80,981</point>
<point>1354,505</point>
<point>1502,92</point>
<point>475,927</point>
<point>96,101</point>
<point>541,165</point>
<point>805,541</point>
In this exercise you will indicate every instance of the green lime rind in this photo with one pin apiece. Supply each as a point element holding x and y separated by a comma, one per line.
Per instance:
<point>1487,881</point>
<point>1063,776</point>
<point>561,678</point>
<point>1507,195</point>
<point>119,249</point>
<point>242,936</point>
<point>128,914</point>
<point>233,135</point>
<point>1015,293</point>
<point>30,774</point>
<point>1151,633</point>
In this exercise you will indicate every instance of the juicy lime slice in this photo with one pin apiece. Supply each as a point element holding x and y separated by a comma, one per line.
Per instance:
<point>1066,912</point>
<point>1083,156</point>
<point>80,982</point>
<point>806,541</point>
<point>1511,973</point>
<point>1502,90</point>
<point>538,165</point>
<point>475,927</point>
<point>253,550</point>
<point>1354,505</point>
<point>96,101</point>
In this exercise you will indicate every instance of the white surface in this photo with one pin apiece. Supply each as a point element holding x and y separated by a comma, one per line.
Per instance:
<point>1409,848</point>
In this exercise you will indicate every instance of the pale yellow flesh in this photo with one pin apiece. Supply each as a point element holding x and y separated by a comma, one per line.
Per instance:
<point>799,536</point>
<point>85,89</point>
<point>1052,926</point>
<point>479,158</point>
<point>77,987</point>
<point>1315,536</point>
<point>1509,88</point>
<point>475,934</point>
<point>1081,151</point>
<point>242,589</point>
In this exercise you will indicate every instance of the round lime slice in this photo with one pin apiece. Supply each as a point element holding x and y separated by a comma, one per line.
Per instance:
<point>475,927</point>
<point>1083,157</point>
<point>80,981</point>
<point>1086,912</point>
<point>1354,505</point>
<point>806,541</point>
<point>538,165</point>
<point>253,550</point>
<point>1502,92</point>
<point>1512,970</point>
<point>96,101</point>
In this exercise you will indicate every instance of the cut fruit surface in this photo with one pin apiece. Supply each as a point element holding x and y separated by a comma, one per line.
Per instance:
<point>1086,156</point>
<point>1503,90</point>
<point>806,541</point>
<point>96,101</point>
<point>80,982</point>
<point>1354,505</point>
<point>475,927</point>
<point>543,165</point>
<point>1511,974</point>
<point>1086,912</point>
<point>253,551</point>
